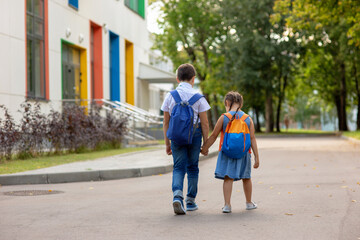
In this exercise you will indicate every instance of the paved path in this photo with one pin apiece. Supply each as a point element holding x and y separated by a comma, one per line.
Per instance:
<point>306,188</point>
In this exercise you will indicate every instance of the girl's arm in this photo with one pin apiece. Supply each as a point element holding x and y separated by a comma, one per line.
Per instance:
<point>254,144</point>
<point>214,135</point>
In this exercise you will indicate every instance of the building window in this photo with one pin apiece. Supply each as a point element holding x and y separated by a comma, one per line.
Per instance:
<point>74,4</point>
<point>136,5</point>
<point>35,45</point>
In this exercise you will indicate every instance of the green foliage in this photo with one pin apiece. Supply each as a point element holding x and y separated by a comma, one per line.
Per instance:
<point>192,30</point>
<point>261,54</point>
<point>271,51</point>
<point>248,49</point>
<point>328,30</point>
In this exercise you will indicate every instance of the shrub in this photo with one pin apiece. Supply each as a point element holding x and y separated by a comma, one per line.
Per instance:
<point>33,130</point>
<point>72,130</point>
<point>8,134</point>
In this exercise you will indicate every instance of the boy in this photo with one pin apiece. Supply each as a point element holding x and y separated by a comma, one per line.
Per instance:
<point>186,157</point>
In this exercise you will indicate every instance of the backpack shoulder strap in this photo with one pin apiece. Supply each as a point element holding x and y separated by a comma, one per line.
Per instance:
<point>228,115</point>
<point>176,96</point>
<point>244,117</point>
<point>195,98</point>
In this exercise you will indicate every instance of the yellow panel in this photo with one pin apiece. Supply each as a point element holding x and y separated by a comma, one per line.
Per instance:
<point>129,65</point>
<point>77,70</point>
<point>83,69</point>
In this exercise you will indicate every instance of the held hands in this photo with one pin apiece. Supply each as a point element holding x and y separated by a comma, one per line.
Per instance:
<point>204,151</point>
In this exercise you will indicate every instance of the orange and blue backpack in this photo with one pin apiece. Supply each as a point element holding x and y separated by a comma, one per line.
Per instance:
<point>235,136</point>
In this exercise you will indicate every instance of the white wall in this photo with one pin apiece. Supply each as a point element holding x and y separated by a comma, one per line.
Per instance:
<point>12,54</point>
<point>118,18</point>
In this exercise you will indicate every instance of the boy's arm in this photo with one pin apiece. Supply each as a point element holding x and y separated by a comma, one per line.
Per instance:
<point>214,135</point>
<point>204,125</point>
<point>254,144</point>
<point>165,128</point>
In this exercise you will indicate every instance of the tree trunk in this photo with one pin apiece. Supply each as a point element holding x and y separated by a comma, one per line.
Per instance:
<point>257,123</point>
<point>341,104</point>
<point>209,113</point>
<point>358,96</point>
<point>269,113</point>
<point>281,98</point>
<point>216,109</point>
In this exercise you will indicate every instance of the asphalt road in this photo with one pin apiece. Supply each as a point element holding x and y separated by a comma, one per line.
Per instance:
<point>305,188</point>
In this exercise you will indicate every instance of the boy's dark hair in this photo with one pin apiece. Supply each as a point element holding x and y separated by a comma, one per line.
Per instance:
<point>185,72</point>
<point>234,97</point>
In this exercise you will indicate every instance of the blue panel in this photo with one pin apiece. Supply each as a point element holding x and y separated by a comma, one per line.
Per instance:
<point>74,3</point>
<point>114,67</point>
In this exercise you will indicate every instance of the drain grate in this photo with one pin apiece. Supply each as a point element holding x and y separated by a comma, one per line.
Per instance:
<point>31,192</point>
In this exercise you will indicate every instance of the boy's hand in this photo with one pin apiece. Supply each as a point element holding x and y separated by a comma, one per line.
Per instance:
<point>257,163</point>
<point>168,150</point>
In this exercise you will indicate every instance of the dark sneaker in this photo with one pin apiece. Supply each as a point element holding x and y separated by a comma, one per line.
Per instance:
<point>191,206</point>
<point>179,206</point>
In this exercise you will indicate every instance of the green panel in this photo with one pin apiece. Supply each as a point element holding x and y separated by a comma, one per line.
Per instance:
<point>141,8</point>
<point>136,5</point>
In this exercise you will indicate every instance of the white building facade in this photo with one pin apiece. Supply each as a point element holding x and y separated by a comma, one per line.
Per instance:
<point>77,50</point>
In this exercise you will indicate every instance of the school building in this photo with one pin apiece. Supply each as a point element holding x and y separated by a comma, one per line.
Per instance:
<point>77,50</point>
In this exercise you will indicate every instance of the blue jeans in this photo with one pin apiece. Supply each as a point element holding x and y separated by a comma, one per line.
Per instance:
<point>186,160</point>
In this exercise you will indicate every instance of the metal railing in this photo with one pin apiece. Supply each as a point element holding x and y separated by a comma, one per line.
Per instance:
<point>137,118</point>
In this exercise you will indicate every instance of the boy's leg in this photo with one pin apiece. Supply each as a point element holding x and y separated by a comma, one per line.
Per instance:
<point>193,165</point>
<point>180,154</point>
<point>227,188</point>
<point>247,185</point>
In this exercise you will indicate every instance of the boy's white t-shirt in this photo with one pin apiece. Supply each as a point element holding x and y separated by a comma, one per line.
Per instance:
<point>185,91</point>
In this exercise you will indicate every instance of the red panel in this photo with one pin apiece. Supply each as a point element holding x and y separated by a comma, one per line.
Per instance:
<point>97,77</point>
<point>46,20</point>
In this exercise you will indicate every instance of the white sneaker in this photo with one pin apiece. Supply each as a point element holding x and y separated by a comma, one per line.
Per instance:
<point>251,206</point>
<point>226,209</point>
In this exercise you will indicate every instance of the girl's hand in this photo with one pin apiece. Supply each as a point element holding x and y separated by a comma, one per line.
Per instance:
<point>257,163</point>
<point>168,150</point>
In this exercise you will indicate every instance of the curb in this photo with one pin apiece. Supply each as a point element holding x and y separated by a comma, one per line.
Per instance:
<point>354,140</point>
<point>101,175</point>
<point>269,135</point>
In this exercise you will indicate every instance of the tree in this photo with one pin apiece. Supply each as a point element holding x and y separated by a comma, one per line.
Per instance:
<point>192,31</point>
<point>248,53</point>
<point>260,55</point>
<point>328,28</point>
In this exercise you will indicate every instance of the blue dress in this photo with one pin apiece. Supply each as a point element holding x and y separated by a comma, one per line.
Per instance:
<point>234,168</point>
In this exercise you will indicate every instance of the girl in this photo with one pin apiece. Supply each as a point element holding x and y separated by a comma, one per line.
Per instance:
<point>231,169</point>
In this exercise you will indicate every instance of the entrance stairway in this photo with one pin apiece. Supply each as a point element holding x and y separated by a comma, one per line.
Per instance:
<point>140,122</point>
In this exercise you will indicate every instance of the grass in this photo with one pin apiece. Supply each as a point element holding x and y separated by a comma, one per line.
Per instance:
<point>355,134</point>
<point>15,166</point>
<point>295,132</point>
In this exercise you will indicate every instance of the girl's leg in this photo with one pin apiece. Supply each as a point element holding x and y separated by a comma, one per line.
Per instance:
<point>247,189</point>
<point>227,187</point>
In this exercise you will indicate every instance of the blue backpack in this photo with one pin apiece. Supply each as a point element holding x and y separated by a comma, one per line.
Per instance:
<point>181,127</point>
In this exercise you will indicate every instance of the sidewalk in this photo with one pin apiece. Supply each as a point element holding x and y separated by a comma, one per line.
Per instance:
<point>136,164</point>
